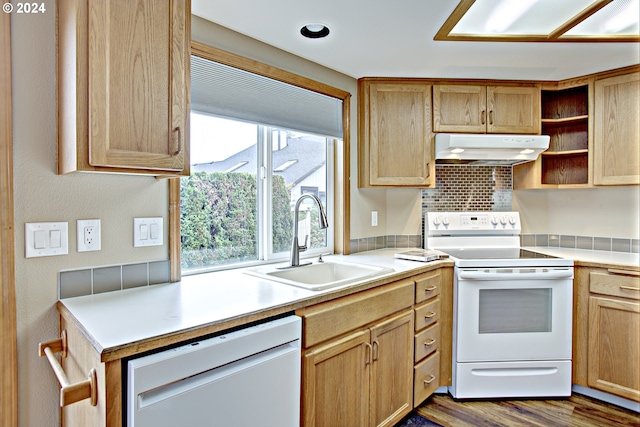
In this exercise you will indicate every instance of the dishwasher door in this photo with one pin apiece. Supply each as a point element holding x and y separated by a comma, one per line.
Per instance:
<point>247,377</point>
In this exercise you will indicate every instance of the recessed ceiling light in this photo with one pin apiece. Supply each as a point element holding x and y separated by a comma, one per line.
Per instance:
<point>314,31</point>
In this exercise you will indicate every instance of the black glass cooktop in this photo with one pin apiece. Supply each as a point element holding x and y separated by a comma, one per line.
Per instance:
<point>495,253</point>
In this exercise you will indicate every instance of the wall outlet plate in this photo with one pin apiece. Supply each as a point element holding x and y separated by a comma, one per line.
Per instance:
<point>88,235</point>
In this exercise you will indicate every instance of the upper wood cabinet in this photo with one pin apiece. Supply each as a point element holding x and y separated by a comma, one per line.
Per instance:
<point>395,143</point>
<point>123,86</point>
<point>486,109</point>
<point>617,130</point>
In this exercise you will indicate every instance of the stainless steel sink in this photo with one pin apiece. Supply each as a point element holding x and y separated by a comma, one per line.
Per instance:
<point>320,275</point>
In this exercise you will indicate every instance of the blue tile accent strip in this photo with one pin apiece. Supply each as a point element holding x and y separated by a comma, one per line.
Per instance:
<point>108,278</point>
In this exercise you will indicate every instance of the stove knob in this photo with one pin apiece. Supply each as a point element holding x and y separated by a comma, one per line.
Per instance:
<point>494,220</point>
<point>445,221</point>
<point>503,220</point>
<point>436,221</point>
<point>512,221</point>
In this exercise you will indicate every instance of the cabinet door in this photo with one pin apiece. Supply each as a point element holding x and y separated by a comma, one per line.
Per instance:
<point>392,370</point>
<point>617,131</point>
<point>459,108</point>
<point>138,65</point>
<point>513,109</point>
<point>336,382</point>
<point>400,134</point>
<point>614,347</point>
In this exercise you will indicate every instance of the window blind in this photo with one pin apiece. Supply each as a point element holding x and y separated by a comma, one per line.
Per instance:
<point>233,93</point>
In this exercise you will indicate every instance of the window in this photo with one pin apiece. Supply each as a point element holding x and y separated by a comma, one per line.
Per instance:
<point>235,207</point>
<point>248,168</point>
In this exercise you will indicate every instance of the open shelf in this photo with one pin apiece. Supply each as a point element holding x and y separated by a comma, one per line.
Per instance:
<point>565,119</point>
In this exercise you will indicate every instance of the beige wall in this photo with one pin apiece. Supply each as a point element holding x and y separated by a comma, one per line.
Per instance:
<point>41,195</point>
<point>603,212</point>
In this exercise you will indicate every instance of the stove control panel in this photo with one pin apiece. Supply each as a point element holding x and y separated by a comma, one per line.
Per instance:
<point>449,223</point>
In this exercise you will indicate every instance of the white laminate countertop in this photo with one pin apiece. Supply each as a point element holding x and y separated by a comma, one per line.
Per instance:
<point>606,258</point>
<point>115,320</point>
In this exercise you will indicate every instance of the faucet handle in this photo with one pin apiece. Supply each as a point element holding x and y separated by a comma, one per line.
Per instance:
<point>306,242</point>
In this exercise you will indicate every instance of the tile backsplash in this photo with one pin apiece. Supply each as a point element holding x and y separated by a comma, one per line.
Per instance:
<point>95,280</point>
<point>469,188</point>
<point>484,188</point>
<point>611,244</point>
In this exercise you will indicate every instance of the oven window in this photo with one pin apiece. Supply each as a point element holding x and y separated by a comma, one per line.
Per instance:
<point>508,311</point>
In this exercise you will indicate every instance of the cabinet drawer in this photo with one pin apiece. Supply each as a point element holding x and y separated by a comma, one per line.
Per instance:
<point>426,342</point>
<point>625,284</point>
<point>427,314</point>
<point>427,286</point>
<point>426,378</point>
<point>334,318</point>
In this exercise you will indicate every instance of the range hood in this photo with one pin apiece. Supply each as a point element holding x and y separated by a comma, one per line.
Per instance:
<point>489,149</point>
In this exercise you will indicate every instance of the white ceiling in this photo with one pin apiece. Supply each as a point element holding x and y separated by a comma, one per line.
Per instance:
<point>394,38</point>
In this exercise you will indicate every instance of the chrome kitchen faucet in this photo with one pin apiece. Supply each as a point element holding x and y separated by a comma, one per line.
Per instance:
<point>295,247</point>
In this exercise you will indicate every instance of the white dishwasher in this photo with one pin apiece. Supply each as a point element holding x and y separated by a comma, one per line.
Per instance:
<point>244,378</point>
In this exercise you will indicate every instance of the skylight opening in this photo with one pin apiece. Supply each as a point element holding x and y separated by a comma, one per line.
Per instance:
<point>543,20</point>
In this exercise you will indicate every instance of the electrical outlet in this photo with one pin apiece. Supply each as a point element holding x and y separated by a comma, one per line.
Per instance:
<point>374,218</point>
<point>88,233</point>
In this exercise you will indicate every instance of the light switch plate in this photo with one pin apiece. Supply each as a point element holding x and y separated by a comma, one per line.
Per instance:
<point>46,239</point>
<point>147,232</point>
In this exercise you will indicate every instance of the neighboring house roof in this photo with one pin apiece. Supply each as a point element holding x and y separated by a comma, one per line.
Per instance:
<point>304,157</point>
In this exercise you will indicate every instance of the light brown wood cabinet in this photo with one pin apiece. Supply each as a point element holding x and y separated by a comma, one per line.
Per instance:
<point>123,86</point>
<point>395,143</point>
<point>433,329</point>
<point>607,330</point>
<point>363,378</point>
<point>594,128</point>
<point>465,108</point>
<point>616,145</point>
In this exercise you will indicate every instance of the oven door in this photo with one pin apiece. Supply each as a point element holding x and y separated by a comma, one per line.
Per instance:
<point>513,314</point>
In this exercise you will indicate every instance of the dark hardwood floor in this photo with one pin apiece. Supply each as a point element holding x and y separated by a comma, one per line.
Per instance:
<point>576,411</point>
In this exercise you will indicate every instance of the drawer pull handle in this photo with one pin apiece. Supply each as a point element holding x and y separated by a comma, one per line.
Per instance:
<point>429,315</point>
<point>430,288</point>
<point>429,343</point>
<point>429,380</point>
<point>629,288</point>
<point>69,393</point>
<point>624,272</point>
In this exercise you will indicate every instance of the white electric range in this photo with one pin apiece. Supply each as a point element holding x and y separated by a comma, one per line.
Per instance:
<point>512,326</point>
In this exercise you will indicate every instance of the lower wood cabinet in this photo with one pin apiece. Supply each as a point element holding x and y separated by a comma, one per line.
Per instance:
<point>371,357</point>
<point>363,378</point>
<point>607,331</point>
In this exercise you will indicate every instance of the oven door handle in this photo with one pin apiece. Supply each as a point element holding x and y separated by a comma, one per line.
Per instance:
<point>542,275</point>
